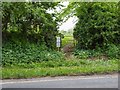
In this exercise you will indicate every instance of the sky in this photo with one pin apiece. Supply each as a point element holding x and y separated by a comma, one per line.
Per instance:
<point>70,23</point>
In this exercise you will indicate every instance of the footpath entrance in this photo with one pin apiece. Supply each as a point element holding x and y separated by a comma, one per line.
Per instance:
<point>68,45</point>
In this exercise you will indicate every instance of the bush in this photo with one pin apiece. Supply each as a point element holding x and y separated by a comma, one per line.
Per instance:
<point>82,54</point>
<point>113,51</point>
<point>13,54</point>
<point>97,25</point>
<point>85,54</point>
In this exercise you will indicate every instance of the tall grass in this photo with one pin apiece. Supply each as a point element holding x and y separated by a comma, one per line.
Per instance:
<point>74,67</point>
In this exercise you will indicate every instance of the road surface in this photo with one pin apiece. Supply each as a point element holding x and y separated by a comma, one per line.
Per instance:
<point>95,81</point>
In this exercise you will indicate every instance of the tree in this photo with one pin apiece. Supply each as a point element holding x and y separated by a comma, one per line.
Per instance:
<point>97,25</point>
<point>29,22</point>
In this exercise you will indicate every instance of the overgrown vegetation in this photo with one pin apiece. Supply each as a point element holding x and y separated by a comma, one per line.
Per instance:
<point>19,54</point>
<point>111,52</point>
<point>29,39</point>
<point>97,25</point>
<point>29,22</point>
<point>60,68</point>
<point>29,32</point>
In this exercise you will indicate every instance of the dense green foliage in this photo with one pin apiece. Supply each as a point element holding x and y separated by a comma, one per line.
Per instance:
<point>29,22</point>
<point>14,54</point>
<point>29,40</point>
<point>69,67</point>
<point>29,32</point>
<point>97,25</point>
<point>112,51</point>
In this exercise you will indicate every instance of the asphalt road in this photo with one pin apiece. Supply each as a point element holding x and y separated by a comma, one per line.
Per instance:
<point>96,81</point>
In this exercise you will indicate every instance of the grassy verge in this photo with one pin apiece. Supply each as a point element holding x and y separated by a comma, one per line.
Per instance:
<point>67,67</point>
